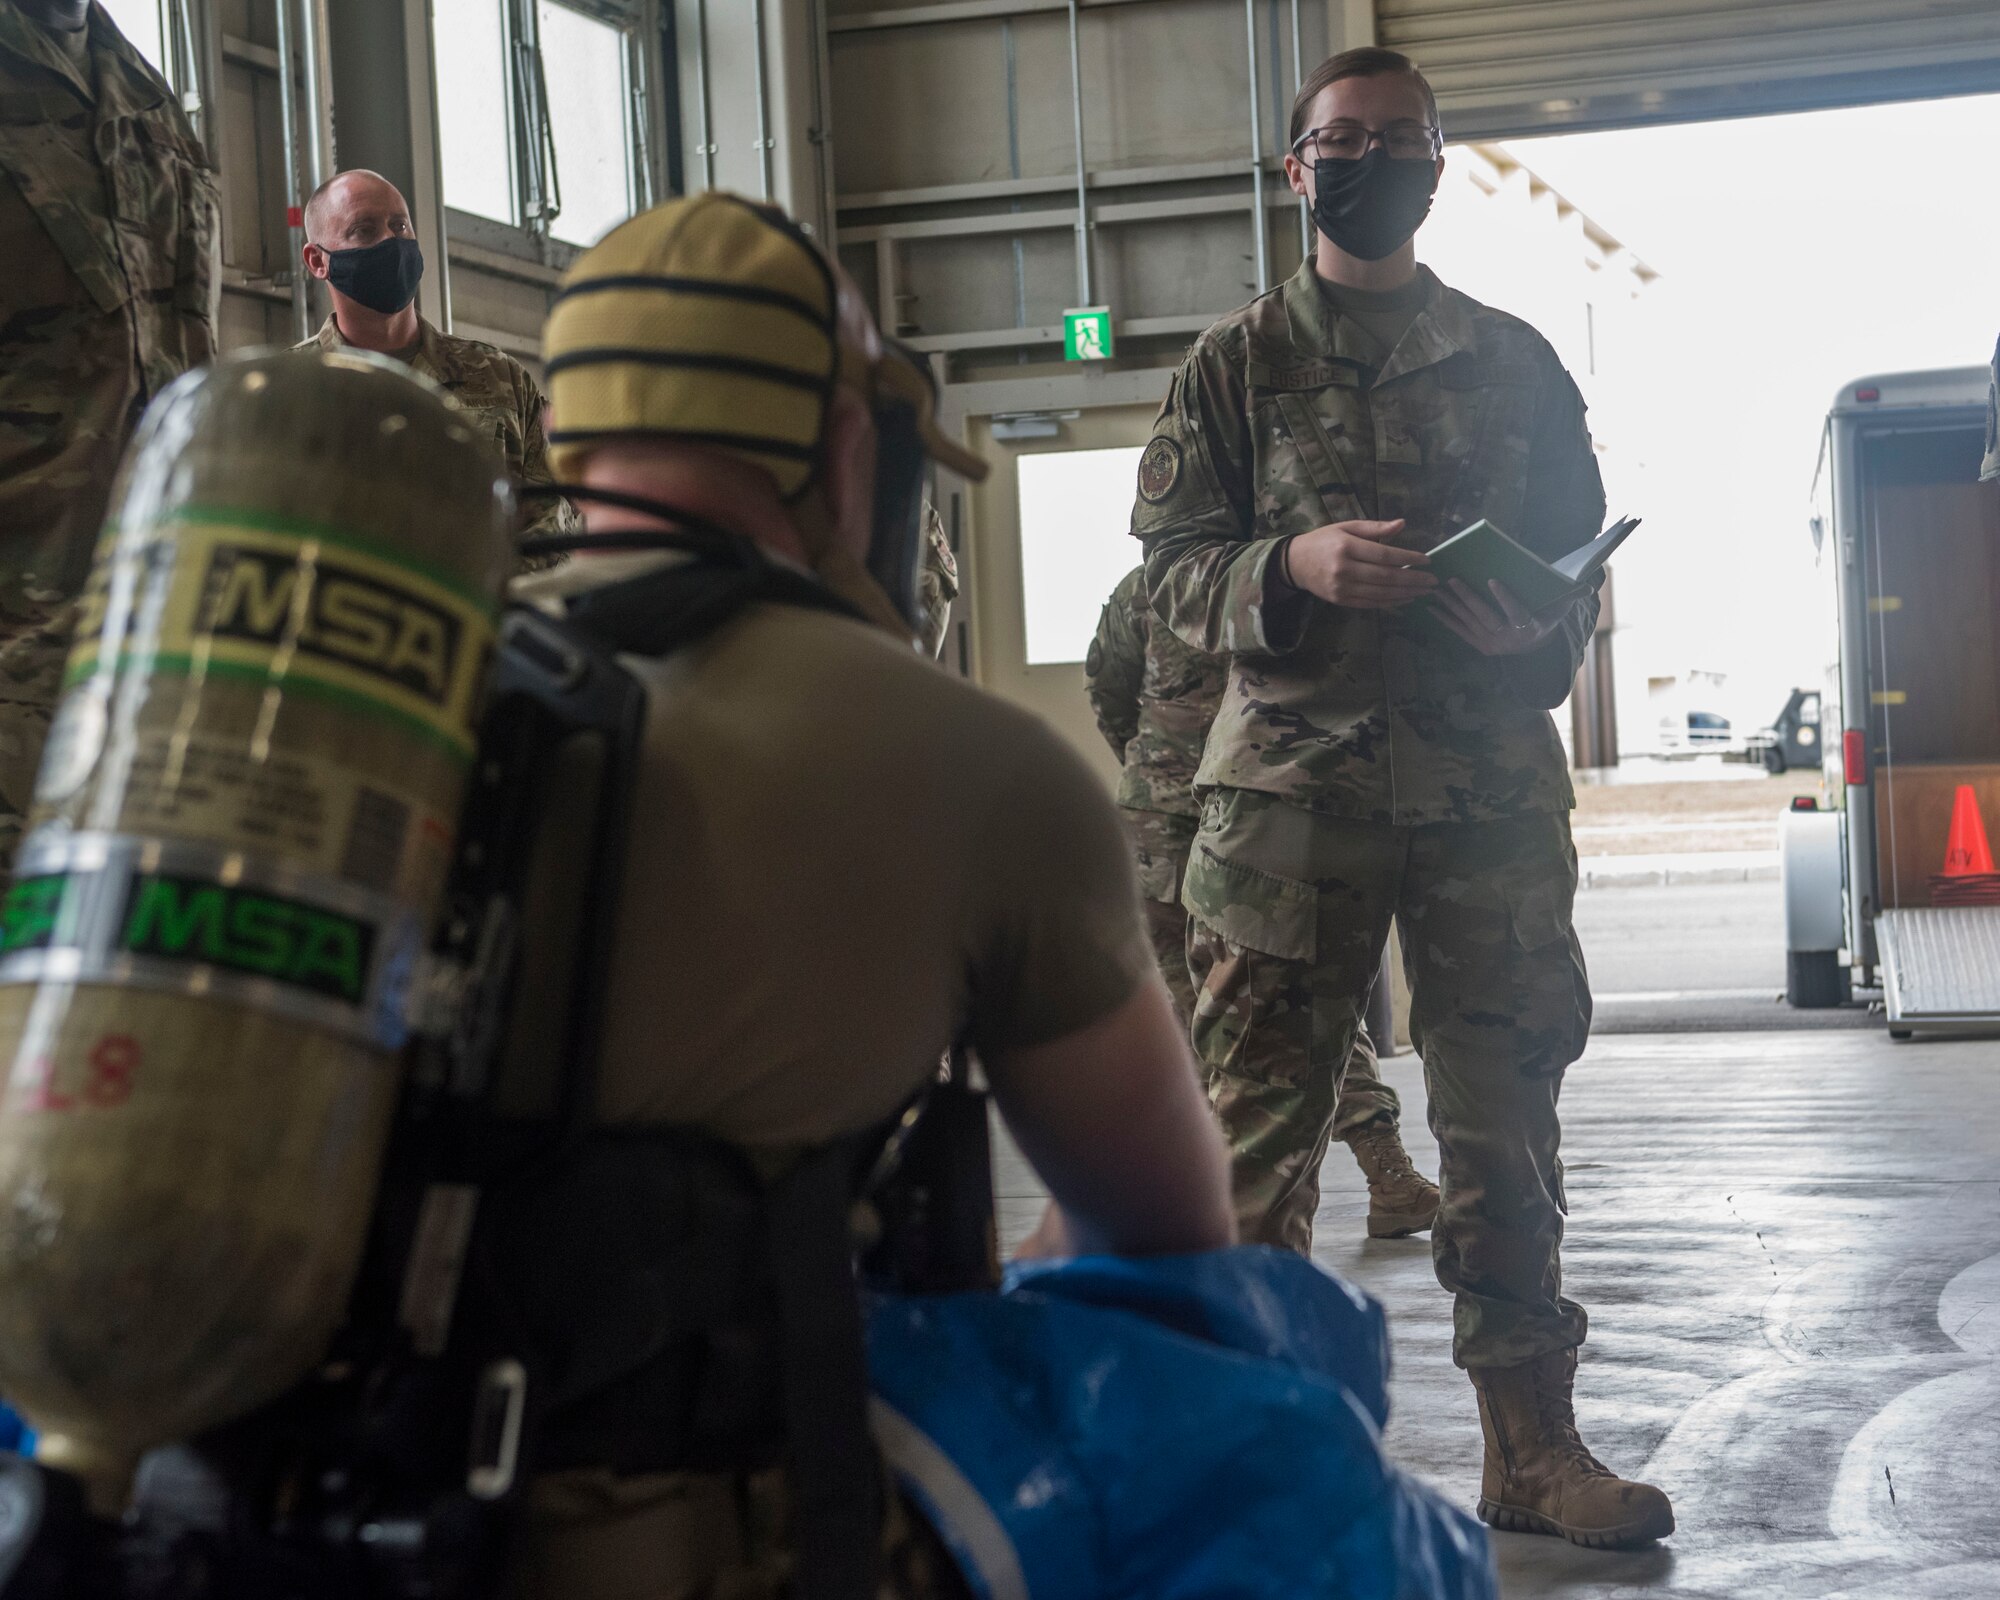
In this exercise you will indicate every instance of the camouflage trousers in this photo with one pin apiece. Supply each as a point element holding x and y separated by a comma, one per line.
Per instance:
<point>1291,912</point>
<point>34,644</point>
<point>1161,842</point>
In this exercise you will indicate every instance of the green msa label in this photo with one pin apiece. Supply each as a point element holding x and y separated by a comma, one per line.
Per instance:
<point>28,913</point>
<point>190,920</point>
<point>180,916</point>
<point>309,947</point>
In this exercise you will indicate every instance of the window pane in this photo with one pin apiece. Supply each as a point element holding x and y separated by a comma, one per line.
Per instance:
<point>472,107</point>
<point>139,21</point>
<point>1076,543</point>
<point>584,62</point>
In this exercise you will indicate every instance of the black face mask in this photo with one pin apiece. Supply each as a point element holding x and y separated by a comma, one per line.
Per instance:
<point>383,277</point>
<point>1370,208</point>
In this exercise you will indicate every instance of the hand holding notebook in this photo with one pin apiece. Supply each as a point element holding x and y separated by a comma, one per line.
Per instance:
<point>1482,553</point>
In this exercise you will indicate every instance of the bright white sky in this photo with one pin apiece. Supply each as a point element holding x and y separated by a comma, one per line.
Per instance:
<point>1796,253</point>
<point>139,21</point>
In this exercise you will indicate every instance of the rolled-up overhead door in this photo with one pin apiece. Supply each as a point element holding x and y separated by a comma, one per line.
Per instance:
<point>1521,66</point>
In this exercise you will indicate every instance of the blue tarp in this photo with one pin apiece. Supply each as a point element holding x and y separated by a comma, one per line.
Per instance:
<point>1197,1426</point>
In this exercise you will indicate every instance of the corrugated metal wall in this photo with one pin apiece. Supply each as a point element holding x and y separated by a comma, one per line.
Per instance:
<point>956,150</point>
<point>956,161</point>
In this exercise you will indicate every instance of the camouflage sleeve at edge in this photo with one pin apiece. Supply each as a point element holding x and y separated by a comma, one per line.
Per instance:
<point>1989,466</point>
<point>1208,575</point>
<point>1115,666</point>
<point>542,516</point>
<point>1565,508</point>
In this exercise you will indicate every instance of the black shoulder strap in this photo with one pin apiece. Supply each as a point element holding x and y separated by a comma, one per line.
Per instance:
<point>671,608</point>
<point>555,679</point>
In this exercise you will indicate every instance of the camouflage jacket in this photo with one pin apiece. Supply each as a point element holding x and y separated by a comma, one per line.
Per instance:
<point>108,283</point>
<point>504,396</point>
<point>1154,699</point>
<point>1277,424</point>
<point>937,584</point>
<point>1990,466</point>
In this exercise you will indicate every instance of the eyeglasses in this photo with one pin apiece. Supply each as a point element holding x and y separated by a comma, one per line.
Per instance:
<point>1408,140</point>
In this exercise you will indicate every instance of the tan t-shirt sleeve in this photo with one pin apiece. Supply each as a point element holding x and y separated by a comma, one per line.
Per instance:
<point>1060,942</point>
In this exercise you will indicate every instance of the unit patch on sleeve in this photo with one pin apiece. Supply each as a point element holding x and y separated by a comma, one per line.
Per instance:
<point>1159,470</point>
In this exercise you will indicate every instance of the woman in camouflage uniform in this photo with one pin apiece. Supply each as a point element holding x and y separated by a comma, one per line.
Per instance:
<point>1384,749</point>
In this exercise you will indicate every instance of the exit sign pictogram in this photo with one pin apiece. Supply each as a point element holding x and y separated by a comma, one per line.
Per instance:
<point>1087,333</point>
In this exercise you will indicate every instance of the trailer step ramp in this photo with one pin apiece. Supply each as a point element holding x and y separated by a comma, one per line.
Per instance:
<point>1941,966</point>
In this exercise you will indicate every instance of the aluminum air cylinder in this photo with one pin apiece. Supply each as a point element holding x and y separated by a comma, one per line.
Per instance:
<point>242,825</point>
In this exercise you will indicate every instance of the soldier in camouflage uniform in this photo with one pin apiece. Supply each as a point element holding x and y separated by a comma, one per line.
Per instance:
<point>1384,749</point>
<point>108,242</point>
<point>1154,699</point>
<point>354,211</point>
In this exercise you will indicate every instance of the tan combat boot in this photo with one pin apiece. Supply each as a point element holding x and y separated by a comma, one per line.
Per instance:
<point>1400,1199</point>
<point>1539,1478</point>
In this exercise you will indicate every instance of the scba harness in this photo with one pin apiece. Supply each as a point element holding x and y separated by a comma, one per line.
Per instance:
<point>541,1293</point>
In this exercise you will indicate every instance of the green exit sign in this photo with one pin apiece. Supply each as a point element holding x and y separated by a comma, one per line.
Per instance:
<point>1087,334</point>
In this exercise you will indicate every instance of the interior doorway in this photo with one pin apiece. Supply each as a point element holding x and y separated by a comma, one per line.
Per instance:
<point>1048,539</point>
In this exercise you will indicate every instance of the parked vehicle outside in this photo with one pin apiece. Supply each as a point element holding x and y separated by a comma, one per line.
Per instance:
<point>1908,554</point>
<point>1792,740</point>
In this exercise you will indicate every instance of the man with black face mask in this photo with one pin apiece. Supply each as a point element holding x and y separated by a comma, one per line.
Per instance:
<point>361,244</point>
<point>1384,749</point>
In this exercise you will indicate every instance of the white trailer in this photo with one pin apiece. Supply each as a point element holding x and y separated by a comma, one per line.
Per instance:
<point>1908,547</point>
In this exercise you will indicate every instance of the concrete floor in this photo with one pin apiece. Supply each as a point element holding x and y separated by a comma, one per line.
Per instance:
<point>1789,1245</point>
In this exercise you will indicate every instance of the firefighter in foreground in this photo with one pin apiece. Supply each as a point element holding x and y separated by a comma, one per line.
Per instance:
<point>1384,749</point>
<point>883,856</point>
<point>840,859</point>
<point>1154,699</point>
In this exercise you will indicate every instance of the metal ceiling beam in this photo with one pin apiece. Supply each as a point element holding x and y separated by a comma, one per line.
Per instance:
<point>1055,183</point>
<point>1009,222</point>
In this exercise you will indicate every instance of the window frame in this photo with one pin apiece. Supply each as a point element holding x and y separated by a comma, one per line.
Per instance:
<point>534,168</point>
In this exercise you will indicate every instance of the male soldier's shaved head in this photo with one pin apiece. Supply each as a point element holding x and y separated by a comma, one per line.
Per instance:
<point>355,208</point>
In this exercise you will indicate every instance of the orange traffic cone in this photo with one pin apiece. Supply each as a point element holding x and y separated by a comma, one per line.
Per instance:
<point>1966,852</point>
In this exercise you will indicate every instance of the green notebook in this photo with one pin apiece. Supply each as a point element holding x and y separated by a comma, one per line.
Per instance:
<point>1482,551</point>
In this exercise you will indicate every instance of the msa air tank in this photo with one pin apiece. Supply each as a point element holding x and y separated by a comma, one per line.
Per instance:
<point>245,811</point>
